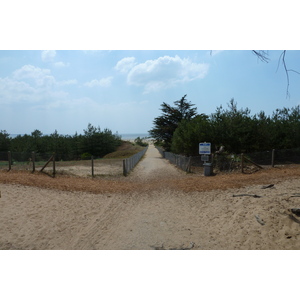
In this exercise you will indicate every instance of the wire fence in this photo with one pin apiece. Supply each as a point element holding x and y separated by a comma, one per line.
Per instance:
<point>35,162</point>
<point>281,156</point>
<point>92,166</point>
<point>226,162</point>
<point>131,162</point>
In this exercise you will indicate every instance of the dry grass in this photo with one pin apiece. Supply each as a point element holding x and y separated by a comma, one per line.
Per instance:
<point>119,184</point>
<point>126,149</point>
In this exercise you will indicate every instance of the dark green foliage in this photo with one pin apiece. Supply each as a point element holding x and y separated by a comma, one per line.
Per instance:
<point>167,123</point>
<point>98,143</point>
<point>94,142</point>
<point>189,133</point>
<point>234,129</point>
<point>4,140</point>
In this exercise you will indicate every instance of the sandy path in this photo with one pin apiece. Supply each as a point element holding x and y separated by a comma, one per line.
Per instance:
<point>153,166</point>
<point>153,215</point>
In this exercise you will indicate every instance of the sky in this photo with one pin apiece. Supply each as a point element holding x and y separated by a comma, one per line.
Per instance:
<point>122,90</point>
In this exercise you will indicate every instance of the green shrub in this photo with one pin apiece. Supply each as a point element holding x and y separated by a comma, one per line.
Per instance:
<point>86,156</point>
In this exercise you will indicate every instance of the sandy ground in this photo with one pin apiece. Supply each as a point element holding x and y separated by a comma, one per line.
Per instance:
<point>156,207</point>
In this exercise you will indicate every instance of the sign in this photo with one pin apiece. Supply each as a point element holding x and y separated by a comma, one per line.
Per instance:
<point>204,158</point>
<point>204,148</point>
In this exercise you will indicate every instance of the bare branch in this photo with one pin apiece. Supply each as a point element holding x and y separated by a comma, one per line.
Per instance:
<point>287,75</point>
<point>261,55</point>
<point>282,58</point>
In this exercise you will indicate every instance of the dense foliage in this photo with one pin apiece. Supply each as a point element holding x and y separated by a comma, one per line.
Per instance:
<point>94,142</point>
<point>236,130</point>
<point>166,124</point>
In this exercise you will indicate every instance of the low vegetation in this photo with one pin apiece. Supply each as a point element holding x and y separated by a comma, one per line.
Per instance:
<point>126,149</point>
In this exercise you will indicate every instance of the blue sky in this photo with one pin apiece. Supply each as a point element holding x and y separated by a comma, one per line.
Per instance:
<point>123,90</point>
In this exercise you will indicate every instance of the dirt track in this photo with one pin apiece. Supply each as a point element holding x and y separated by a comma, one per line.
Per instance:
<point>156,207</point>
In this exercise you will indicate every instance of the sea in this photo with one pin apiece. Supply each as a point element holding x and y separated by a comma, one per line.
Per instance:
<point>133,136</point>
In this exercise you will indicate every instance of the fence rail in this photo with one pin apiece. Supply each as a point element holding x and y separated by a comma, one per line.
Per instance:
<point>130,162</point>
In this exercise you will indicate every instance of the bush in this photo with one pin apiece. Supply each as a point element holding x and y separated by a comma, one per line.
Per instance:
<point>86,156</point>
<point>140,142</point>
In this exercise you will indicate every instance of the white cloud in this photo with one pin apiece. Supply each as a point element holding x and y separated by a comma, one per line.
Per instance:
<point>103,82</point>
<point>60,64</point>
<point>38,76</point>
<point>165,72</point>
<point>29,71</point>
<point>125,64</point>
<point>14,91</point>
<point>32,84</point>
<point>48,55</point>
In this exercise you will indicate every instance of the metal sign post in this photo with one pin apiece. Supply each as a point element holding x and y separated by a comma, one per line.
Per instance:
<point>205,151</point>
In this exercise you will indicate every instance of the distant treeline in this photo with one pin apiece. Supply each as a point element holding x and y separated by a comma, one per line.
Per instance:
<point>180,129</point>
<point>94,142</point>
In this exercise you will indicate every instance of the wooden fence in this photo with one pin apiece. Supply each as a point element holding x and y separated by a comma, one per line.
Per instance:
<point>131,162</point>
<point>181,161</point>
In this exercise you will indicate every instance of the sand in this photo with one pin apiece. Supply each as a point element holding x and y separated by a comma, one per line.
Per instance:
<point>156,207</point>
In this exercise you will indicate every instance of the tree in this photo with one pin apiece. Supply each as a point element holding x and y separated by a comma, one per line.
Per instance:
<point>189,134</point>
<point>4,140</point>
<point>166,124</point>
<point>37,144</point>
<point>98,143</point>
<point>233,128</point>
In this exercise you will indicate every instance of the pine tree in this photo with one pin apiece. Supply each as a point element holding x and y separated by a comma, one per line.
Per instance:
<point>166,124</point>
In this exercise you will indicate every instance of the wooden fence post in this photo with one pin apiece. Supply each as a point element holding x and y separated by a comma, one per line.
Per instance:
<point>242,162</point>
<point>9,160</point>
<point>273,158</point>
<point>124,167</point>
<point>53,160</point>
<point>33,161</point>
<point>188,169</point>
<point>92,160</point>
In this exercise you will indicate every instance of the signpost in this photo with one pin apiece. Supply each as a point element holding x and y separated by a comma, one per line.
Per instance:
<point>205,151</point>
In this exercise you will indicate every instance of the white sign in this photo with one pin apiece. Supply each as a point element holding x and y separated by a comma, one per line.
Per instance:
<point>204,148</point>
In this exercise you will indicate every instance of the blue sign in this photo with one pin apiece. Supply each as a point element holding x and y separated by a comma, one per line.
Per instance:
<point>204,148</point>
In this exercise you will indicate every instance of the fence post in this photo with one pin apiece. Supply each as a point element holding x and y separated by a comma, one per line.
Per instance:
<point>9,160</point>
<point>53,160</point>
<point>273,158</point>
<point>124,167</point>
<point>188,169</point>
<point>92,160</point>
<point>33,161</point>
<point>242,162</point>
